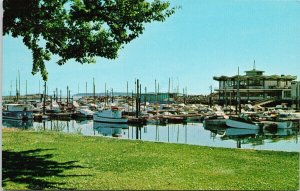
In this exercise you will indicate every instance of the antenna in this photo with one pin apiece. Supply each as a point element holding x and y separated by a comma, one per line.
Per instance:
<point>254,65</point>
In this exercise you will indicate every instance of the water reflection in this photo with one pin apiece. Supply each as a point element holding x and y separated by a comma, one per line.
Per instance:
<point>109,129</point>
<point>253,137</point>
<point>191,133</point>
<point>17,123</point>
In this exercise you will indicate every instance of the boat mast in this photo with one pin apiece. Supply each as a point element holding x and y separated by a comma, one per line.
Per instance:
<point>169,91</point>
<point>26,92</point>
<point>94,90</point>
<point>238,92</point>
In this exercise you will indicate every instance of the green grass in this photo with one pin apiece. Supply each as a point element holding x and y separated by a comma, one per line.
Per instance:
<point>46,160</point>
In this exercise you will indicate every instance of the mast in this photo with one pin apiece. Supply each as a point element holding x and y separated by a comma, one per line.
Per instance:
<point>137,99</point>
<point>19,83</point>
<point>94,90</point>
<point>238,92</point>
<point>10,89</point>
<point>127,89</point>
<point>105,94</point>
<point>26,92</point>
<point>86,90</point>
<point>169,91</point>
<point>17,97</point>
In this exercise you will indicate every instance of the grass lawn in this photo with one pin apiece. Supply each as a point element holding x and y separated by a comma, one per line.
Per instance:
<point>48,160</point>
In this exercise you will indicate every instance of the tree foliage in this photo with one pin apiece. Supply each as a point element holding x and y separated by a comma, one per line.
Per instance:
<point>78,29</point>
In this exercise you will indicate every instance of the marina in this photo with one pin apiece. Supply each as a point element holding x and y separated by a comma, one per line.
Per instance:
<point>169,117</point>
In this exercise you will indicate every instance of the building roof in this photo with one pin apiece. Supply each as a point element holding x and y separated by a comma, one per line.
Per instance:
<point>255,74</point>
<point>245,77</point>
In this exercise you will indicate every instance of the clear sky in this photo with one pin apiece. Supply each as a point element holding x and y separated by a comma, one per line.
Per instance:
<point>204,38</point>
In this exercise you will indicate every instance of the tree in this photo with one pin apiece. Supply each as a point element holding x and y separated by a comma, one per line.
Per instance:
<point>79,29</point>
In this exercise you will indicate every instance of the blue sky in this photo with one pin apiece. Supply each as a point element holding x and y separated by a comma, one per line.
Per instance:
<point>204,38</point>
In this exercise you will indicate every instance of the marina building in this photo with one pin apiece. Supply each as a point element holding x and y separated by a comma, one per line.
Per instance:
<point>254,86</point>
<point>296,94</point>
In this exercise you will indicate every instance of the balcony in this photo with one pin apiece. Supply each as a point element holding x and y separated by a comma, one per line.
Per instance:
<point>254,87</point>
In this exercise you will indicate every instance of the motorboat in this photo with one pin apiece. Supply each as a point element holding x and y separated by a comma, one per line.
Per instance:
<point>84,112</point>
<point>112,115</point>
<point>18,111</point>
<point>242,123</point>
<point>53,107</point>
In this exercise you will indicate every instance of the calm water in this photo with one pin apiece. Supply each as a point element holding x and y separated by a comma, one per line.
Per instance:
<point>192,133</point>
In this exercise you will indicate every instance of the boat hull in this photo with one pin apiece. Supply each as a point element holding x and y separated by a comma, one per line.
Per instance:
<point>109,119</point>
<point>241,125</point>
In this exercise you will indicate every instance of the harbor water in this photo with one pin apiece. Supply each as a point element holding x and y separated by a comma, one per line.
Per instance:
<point>191,133</point>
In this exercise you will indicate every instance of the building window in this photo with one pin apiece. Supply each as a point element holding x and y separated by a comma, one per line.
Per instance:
<point>287,94</point>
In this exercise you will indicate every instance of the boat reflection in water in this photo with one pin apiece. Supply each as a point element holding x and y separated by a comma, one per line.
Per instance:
<point>252,136</point>
<point>110,129</point>
<point>17,123</point>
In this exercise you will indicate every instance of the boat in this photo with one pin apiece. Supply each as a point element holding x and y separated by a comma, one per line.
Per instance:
<point>241,123</point>
<point>112,115</point>
<point>84,112</point>
<point>53,108</point>
<point>17,111</point>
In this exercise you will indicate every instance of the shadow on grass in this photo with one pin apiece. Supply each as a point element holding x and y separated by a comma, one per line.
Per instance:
<point>32,168</point>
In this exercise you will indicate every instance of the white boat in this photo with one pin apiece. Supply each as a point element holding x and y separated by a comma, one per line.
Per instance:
<point>53,107</point>
<point>17,111</point>
<point>113,115</point>
<point>241,123</point>
<point>84,112</point>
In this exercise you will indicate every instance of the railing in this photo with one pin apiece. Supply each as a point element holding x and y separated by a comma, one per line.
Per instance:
<point>253,87</point>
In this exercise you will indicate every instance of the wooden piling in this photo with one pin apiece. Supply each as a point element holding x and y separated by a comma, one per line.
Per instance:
<point>140,93</point>
<point>56,95</point>
<point>112,95</point>
<point>137,99</point>
<point>67,96</point>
